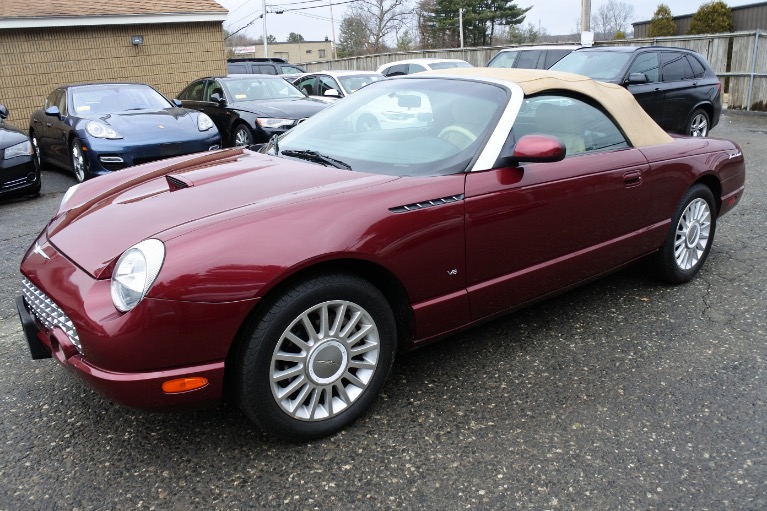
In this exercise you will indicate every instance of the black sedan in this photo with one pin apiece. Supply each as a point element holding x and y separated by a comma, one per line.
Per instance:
<point>95,129</point>
<point>18,173</point>
<point>249,109</point>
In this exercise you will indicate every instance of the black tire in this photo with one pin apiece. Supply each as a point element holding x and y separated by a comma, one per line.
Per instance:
<point>329,384</point>
<point>79,161</point>
<point>242,136</point>
<point>698,124</point>
<point>690,236</point>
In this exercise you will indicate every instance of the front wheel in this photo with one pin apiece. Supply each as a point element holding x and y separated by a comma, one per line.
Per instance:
<point>698,124</point>
<point>316,358</point>
<point>79,163</point>
<point>242,136</point>
<point>690,238</point>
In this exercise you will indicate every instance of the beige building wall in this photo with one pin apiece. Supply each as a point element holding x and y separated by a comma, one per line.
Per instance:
<point>34,61</point>
<point>295,53</point>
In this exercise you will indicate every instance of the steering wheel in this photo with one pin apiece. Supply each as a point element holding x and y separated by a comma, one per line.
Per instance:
<point>461,132</point>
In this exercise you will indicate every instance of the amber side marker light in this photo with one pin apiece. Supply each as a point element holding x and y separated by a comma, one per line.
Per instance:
<point>184,384</point>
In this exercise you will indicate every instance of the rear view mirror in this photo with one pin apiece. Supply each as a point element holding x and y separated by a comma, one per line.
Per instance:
<point>534,149</point>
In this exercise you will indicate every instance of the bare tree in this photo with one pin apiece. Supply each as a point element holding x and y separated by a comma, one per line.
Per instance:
<point>610,18</point>
<point>382,18</point>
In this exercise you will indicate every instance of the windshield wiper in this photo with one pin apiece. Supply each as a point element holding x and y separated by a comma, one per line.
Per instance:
<point>316,157</point>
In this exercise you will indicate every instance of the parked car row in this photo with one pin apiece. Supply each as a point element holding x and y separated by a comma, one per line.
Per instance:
<point>94,129</point>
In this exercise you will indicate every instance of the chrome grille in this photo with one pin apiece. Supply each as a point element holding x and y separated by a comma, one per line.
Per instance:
<point>48,313</point>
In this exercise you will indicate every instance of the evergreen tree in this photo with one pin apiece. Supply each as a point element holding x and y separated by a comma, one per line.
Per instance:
<point>712,18</point>
<point>662,22</point>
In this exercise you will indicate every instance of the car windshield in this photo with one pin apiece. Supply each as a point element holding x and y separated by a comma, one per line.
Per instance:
<point>599,65</point>
<point>257,88</point>
<point>356,82</point>
<point>105,99</point>
<point>402,127</point>
<point>448,65</point>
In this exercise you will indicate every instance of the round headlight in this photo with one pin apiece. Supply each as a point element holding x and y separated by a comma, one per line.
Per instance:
<point>135,272</point>
<point>204,122</point>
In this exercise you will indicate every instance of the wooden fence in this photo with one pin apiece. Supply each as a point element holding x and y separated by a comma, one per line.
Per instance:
<point>740,58</point>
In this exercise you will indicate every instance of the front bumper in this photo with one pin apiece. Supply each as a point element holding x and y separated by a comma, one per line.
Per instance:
<point>18,176</point>
<point>105,156</point>
<point>124,356</point>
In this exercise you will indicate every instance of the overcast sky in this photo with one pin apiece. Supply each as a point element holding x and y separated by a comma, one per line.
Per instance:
<point>555,16</point>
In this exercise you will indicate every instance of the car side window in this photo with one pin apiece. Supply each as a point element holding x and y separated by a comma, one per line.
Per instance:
<point>395,70</point>
<point>266,70</point>
<point>213,87</point>
<point>237,68</point>
<point>580,126</point>
<point>306,85</point>
<point>698,71</point>
<point>61,101</point>
<point>325,83</point>
<point>528,59</point>
<point>504,59</point>
<point>554,56</point>
<point>53,99</point>
<point>416,68</point>
<point>193,92</point>
<point>647,64</point>
<point>675,67</point>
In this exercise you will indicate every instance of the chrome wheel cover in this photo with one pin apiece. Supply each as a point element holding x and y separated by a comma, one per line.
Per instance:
<point>324,361</point>
<point>692,234</point>
<point>699,126</point>
<point>38,161</point>
<point>78,162</point>
<point>242,137</point>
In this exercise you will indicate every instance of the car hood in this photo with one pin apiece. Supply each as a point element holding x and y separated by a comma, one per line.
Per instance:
<point>148,122</point>
<point>297,108</point>
<point>10,135</point>
<point>106,216</point>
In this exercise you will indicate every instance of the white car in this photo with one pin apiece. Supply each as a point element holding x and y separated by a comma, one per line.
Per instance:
<point>410,66</point>
<point>329,86</point>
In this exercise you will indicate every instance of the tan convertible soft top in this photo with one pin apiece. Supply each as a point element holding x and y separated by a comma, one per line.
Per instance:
<point>640,129</point>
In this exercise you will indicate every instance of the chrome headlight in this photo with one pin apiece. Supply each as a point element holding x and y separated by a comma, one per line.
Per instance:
<point>98,130</point>
<point>273,122</point>
<point>21,149</point>
<point>135,272</point>
<point>204,123</point>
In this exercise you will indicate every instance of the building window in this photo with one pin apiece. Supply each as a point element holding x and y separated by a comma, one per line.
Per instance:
<point>322,54</point>
<point>308,51</point>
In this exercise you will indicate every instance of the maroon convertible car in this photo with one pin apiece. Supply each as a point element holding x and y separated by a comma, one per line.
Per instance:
<point>288,278</point>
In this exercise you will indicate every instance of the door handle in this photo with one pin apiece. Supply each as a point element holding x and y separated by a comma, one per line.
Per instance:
<point>632,178</point>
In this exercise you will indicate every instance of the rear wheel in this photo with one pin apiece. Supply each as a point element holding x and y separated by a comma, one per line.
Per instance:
<point>690,238</point>
<point>699,124</point>
<point>317,357</point>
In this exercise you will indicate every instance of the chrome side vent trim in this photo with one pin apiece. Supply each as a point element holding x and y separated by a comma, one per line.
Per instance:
<point>426,204</point>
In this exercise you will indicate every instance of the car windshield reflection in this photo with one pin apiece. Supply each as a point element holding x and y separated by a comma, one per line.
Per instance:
<point>104,99</point>
<point>259,89</point>
<point>407,127</point>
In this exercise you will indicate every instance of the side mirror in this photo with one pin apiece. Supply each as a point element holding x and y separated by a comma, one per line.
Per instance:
<point>53,111</point>
<point>177,102</point>
<point>332,93</point>
<point>216,98</point>
<point>533,149</point>
<point>637,78</point>
<point>3,112</point>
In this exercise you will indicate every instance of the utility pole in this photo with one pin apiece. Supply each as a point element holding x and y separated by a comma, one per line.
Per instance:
<point>333,30</point>
<point>460,24</point>
<point>585,15</point>
<point>266,47</point>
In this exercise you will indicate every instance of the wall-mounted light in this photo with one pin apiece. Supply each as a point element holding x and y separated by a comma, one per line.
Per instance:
<point>137,39</point>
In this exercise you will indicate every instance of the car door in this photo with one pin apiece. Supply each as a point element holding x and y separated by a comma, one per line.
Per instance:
<point>326,83</point>
<point>41,124</point>
<point>58,129</point>
<point>217,111</point>
<point>649,94</point>
<point>541,227</point>
<point>307,84</point>
<point>528,59</point>
<point>678,84</point>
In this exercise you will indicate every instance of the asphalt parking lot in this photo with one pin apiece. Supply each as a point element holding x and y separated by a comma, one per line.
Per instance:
<point>624,394</point>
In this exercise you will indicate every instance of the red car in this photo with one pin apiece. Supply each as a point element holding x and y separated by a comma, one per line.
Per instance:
<point>289,278</point>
